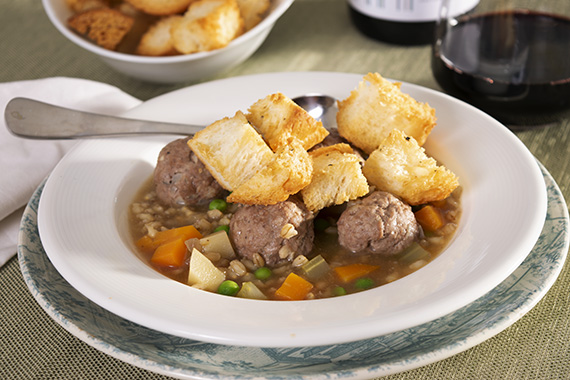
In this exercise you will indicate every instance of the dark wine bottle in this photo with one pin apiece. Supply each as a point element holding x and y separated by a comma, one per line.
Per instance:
<point>402,22</point>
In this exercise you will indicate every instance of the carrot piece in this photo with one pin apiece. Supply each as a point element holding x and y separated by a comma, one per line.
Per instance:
<point>170,254</point>
<point>430,218</point>
<point>294,288</point>
<point>185,232</point>
<point>351,272</point>
<point>145,244</point>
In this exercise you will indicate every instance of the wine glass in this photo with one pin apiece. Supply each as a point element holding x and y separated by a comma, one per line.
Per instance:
<point>510,58</point>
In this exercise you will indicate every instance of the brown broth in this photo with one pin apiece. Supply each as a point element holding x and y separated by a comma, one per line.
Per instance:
<point>147,213</point>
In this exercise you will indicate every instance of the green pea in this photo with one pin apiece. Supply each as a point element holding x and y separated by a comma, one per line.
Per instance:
<point>339,291</point>
<point>262,273</point>
<point>364,283</point>
<point>218,204</point>
<point>223,228</point>
<point>228,288</point>
<point>321,224</point>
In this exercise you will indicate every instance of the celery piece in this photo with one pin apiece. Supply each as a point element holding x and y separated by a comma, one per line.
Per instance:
<point>316,268</point>
<point>414,253</point>
<point>249,290</point>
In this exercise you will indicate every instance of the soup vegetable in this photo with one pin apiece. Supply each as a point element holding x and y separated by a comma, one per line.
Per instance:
<point>269,205</point>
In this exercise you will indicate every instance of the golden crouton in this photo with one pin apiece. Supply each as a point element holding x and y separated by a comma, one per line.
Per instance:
<point>157,40</point>
<point>289,171</point>
<point>160,7</point>
<point>376,107</point>
<point>207,25</point>
<point>401,167</point>
<point>104,26</point>
<point>278,119</point>
<point>231,150</point>
<point>252,11</point>
<point>337,177</point>
<point>84,5</point>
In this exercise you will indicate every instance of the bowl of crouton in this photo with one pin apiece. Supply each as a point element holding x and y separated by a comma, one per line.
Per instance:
<point>167,41</point>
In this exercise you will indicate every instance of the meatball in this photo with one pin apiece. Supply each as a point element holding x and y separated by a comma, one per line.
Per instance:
<point>379,223</point>
<point>279,232</point>
<point>180,179</point>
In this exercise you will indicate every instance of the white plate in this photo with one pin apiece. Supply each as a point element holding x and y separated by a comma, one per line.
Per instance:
<point>388,354</point>
<point>82,224</point>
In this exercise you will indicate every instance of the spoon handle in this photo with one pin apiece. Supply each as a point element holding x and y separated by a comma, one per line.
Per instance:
<point>37,120</point>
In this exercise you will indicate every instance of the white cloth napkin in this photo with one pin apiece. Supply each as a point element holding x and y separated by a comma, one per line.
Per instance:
<point>25,163</point>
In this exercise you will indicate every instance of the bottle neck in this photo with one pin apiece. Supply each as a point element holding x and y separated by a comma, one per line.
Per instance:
<point>410,10</point>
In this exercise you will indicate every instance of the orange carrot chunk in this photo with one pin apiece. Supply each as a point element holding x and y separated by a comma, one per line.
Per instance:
<point>186,232</point>
<point>170,254</point>
<point>145,244</point>
<point>148,244</point>
<point>351,272</point>
<point>430,218</point>
<point>294,288</point>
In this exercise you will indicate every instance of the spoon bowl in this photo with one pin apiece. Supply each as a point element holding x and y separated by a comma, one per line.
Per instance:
<point>32,119</point>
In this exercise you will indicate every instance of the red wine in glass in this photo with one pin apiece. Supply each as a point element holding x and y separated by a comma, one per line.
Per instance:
<point>514,65</point>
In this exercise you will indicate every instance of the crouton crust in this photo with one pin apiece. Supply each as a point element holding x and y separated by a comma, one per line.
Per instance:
<point>337,177</point>
<point>157,40</point>
<point>253,11</point>
<point>207,25</point>
<point>289,171</point>
<point>376,107</point>
<point>401,167</point>
<point>104,26</point>
<point>231,150</point>
<point>160,7</point>
<point>278,119</point>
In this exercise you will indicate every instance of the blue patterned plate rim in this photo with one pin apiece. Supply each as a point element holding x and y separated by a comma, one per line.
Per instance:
<point>380,356</point>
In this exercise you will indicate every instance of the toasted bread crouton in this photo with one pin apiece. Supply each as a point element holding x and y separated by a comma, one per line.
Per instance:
<point>231,150</point>
<point>157,40</point>
<point>84,5</point>
<point>253,11</point>
<point>289,171</point>
<point>279,119</point>
<point>207,25</point>
<point>376,107</point>
<point>160,7</point>
<point>104,26</point>
<point>337,177</point>
<point>401,167</point>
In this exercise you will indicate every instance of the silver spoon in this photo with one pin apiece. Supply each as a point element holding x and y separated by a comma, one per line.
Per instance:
<point>37,120</point>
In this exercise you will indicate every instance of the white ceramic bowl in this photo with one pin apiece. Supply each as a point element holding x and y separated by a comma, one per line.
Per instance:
<point>82,221</point>
<point>174,69</point>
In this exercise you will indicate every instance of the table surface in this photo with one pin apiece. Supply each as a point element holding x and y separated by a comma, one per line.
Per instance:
<point>314,35</point>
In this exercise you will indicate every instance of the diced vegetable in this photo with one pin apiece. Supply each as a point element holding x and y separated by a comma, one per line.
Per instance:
<point>185,232</point>
<point>339,291</point>
<point>315,268</point>
<point>145,244</point>
<point>262,273</point>
<point>150,244</point>
<point>430,218</point>
<point>363,283</point>
<point>349,273</point>
<point>225,228</point>
<point>414,253</point>
<point>170,254</point>
<point>249,290</point>
<point>218,242</point>
<point>203,273</point>
<point>228,288</point>
<point>218,204</point>
<point>321,224</point>
<point>294,288</point>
